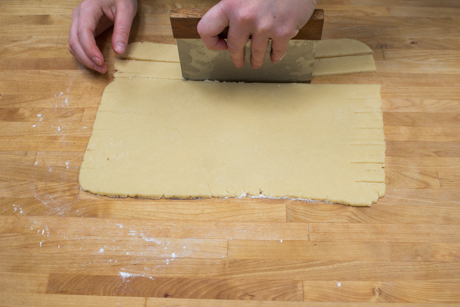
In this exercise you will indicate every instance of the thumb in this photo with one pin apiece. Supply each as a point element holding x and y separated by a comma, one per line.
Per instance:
<point>122,26</point>
<point>211,25</point>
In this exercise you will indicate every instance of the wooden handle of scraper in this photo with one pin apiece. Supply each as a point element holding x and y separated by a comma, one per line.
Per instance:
<point>185,21</point>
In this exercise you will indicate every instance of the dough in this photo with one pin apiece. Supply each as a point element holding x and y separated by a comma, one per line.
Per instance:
<point>343,65</point>
<point>330,48</point>
<point>151,52</point>
<point>185,139</point>
<point>158,136</point>
<point>145,69</point>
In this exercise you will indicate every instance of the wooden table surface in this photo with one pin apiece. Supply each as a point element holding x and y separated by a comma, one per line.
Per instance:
<point>61,246</point>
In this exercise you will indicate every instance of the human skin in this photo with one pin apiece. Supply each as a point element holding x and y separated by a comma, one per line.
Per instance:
<point>91,18</point>
<point>260,20</point>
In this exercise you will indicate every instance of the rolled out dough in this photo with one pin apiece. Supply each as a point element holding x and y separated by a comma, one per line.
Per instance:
<point>158,136</point>
<point>184,139</point>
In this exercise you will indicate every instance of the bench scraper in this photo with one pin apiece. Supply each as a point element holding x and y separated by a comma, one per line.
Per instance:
<point>199,63</point>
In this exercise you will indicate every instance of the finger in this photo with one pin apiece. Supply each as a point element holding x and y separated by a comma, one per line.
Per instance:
<point>236,41</point>
<point>122,26</point>
<point>77,51</point>
<point>211,25</point>
<point>73,32</point>
<point>259,46</point>
<point>87,23</point>
<point>279,47</point>
<point>82,57</point>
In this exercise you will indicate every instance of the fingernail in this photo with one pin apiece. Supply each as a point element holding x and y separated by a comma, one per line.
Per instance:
<point>120,47</point>
<point>97,61</point>
<point>99,69</point>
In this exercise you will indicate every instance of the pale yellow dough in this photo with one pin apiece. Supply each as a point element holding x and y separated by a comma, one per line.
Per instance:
<point>331,48</point>
<point>158,136</point>
<point>343,65</point>
<point>151,52</point>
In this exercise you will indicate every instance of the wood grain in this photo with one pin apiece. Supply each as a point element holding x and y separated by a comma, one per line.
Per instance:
<point>341,251</point>
<point>42,300</point>
<point>400,206</point>
<point>381,292</point>
<point>13,221</point>
<point>222,289</point>
<point>384,233</point>
<point>60,246</point>
<point>23,283</point>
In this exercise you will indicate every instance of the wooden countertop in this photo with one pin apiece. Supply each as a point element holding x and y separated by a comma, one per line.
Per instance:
<point>61,246</point>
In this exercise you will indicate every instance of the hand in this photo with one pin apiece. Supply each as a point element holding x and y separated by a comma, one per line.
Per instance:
<point>278,20</point>
<point>91,18</point>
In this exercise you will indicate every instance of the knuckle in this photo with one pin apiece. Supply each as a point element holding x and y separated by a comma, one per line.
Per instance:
<point>245,17</point>
<point>86,4</point>
<point>122,32</point>
<point>285,32</point>
<point>128,7</point>
<point>258,51</point>
<point>265,26</point>
<point>232,47</point>
<point>80,32</point>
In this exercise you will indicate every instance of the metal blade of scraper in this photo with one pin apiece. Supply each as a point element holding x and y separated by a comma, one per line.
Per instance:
<point>200,63</point>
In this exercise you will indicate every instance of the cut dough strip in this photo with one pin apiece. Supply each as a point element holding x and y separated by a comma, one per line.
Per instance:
<point>146,69</point>
<point>331,48</point>
<point>151,52</point>
<point>344,65</point>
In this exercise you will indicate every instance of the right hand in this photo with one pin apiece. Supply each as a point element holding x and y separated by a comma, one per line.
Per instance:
<point>263,20</point>
<point>91,18</point>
